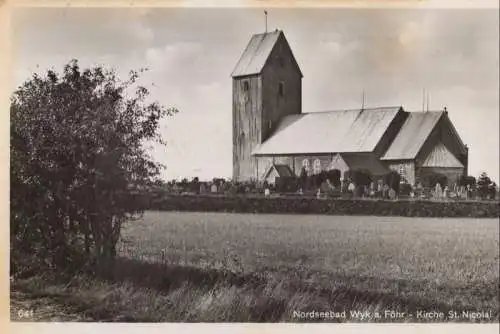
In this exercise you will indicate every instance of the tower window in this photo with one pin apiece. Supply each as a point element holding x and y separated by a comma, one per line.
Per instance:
<point>245,86</point>
<point>281,88</point>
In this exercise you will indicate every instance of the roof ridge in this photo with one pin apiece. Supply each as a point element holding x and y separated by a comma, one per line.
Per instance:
<point>425,112</point>
<point>344,110</point>
<point>267,33</point>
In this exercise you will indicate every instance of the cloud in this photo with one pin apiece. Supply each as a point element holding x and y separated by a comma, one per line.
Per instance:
<point>142,32</point>
<point>171,56</point>
<point>390,54</point>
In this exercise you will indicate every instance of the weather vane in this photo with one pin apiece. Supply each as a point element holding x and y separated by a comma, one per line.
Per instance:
<point>265,13</point>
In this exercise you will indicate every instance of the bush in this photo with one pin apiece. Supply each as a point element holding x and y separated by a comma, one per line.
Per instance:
<point>334,177</point>
<point>286,184</point>
<point>485,187</point>
<point>331,206</point>
<point>360,177</point>
<point>405,189</point>
<point>77,154</point>
<point>393,179</point>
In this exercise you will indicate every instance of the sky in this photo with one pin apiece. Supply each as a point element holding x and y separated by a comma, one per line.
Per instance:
<point>390,54</point>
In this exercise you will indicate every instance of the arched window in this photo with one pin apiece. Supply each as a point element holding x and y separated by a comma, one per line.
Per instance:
<point>317,166</point>
<point>305,164</point>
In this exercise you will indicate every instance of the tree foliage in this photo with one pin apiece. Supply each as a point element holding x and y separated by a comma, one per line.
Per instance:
<point>485,186</point>
<point>334,177</point>
<point>78,161</point>
<point>393,179</point>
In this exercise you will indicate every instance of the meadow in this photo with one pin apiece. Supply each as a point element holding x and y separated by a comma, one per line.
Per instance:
<point>187,266</point>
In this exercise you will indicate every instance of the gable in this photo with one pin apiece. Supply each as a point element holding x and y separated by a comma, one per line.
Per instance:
<point>440,156</point>
<point>451,136</point>
<point>278,171</point>
<point>329,132</point>
<point>338,163</point>
<point>258,51</point>
<point>282,50</point>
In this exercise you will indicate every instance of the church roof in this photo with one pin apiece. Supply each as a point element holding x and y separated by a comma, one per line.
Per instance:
<point>256,53</point>
<point>341,131</point>
<point>440,156</point>
<point>412,136</point>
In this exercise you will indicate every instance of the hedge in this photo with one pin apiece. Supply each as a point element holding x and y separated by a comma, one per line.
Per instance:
<point>337,206</point>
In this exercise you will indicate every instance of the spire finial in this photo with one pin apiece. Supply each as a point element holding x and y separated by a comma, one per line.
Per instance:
<point>265,14</point>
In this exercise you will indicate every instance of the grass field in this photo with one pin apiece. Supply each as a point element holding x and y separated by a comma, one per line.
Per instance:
<point>241,267</point>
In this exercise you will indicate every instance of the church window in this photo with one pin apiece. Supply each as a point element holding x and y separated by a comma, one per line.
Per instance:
<point>402,173</point>
<point>246,86</point>
<point>281,88</point>
<point>305,164</point>
<point>317,166</point>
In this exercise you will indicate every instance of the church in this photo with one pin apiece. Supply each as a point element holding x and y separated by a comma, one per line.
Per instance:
<point>273,137</point>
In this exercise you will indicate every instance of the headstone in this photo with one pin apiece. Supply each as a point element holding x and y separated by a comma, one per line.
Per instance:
<point>213,188</point>
<point>438,192</point>
<point>380,185</point>
<point>267,192</point>
<point>445,192</point>
<point>385,191</point>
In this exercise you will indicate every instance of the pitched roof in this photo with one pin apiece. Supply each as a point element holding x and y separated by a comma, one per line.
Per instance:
<point>254,57</point>
<point>329,132</point>
<point>413,134</point>
<point>258,50</point>
<point>440,156</point>
<point>282,170</point>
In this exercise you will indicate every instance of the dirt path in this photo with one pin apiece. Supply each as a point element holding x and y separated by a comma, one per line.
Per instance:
<point>24,307</point>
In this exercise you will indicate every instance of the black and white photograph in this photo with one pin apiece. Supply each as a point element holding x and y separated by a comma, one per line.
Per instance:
<point>259,164</point>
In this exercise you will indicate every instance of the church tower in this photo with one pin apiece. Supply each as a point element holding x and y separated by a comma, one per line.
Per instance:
<point>267,85</point>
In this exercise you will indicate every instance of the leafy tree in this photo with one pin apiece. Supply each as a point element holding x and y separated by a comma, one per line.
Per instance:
<point>334,177</point>
<point>303,178</point>
<point>485,186</point>
<point>393,179</point>
<point>362,177</point>
<point>78,162</point>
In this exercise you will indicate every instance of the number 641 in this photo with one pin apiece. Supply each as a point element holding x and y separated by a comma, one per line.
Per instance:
<point>25,313</point>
